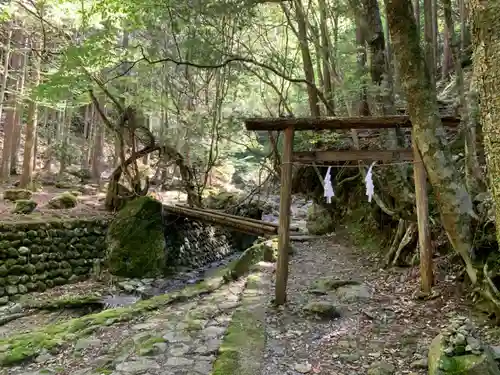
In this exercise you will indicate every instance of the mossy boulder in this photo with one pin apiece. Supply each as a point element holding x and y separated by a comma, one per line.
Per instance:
<point>64,200</point>
<point>135,240</point>
<point>24,206</point>
<point>319,221</point>
<point>441,363</point>
<point>17,194</point>
<point>262,251</point>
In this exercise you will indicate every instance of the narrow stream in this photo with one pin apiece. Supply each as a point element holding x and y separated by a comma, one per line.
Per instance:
<point>131,291</point>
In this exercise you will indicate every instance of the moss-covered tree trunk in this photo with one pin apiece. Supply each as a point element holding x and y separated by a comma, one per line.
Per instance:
<point>486,42</point>
<point>454,202</point>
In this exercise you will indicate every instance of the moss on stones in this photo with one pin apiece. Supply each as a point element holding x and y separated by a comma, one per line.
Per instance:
<point>469,364</point>
<point>17,194</point>
<point>66,301</point>
<point>262,251</point>
<point>36,255</point>
<point>63,200</point>
<point>135,240</point>
<point>24,206</point>
<point>21,347</point>
<point>243,345</point>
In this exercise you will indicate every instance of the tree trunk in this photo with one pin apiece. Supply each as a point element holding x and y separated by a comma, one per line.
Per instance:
<point>10,112</point>
<point>455,204</point>
<point>362,104</point>
<point>6,61</point>
<point>306,58</point>
<point>435,54</point>
<point>429,39</point>
<point>145,159</point>
<point>473,176</point>
<point>416,9</point>
<point>447,54</point>
<point>16,133</point>
<point>29,145</point>
<point>64,134</point>
<point>97,147</point>
<point>87,129</point>
<point>486,42</point>
<point>326,58</point>
<point>50,120</point>
<point>113,200</point>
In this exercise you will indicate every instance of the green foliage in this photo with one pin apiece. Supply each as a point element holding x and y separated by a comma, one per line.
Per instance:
<point>167,59</point>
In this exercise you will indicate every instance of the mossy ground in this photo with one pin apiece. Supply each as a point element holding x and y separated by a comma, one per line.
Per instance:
<point>244,343</point>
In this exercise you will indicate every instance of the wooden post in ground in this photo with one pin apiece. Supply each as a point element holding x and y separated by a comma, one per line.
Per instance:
<point>424,236</point>
<point>284,219</point>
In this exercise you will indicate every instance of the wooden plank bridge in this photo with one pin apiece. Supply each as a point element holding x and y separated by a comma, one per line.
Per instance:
<point>234,222</point>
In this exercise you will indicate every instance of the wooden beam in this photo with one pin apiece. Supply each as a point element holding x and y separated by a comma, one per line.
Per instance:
<point>338,123</point>
<point>246,219</point>
<point>284,219</point>
<point>353,155</point>
<point>424,235</point>
<point>220,219</point>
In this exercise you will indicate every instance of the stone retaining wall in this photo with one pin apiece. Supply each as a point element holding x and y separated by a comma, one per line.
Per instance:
<point>38,255</point>
<point>194,244</point>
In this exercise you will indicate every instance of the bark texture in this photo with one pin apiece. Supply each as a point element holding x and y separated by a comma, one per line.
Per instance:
<point>486,42</point>
<point>454,202</point>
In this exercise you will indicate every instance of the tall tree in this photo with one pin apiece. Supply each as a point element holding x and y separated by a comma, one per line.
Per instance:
<point>19,109</point>
<point>473,176</point>
<point>13,81</point>
<point>486,42</point>
<point>31,126</point>
<point>429,39</point>
<point>455,204</point>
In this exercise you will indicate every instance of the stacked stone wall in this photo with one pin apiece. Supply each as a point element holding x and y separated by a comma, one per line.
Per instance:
<point>38,255</point>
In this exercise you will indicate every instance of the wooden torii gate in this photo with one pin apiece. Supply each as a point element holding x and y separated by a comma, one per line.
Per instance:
<point>290,125</point>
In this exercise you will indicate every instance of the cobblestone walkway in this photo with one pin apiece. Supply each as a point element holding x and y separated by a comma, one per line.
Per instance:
<point>181,339</point>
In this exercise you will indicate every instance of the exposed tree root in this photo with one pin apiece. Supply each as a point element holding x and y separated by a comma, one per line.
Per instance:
<point>490,293</point>
<point>409,236</point>
<point>395,242</point>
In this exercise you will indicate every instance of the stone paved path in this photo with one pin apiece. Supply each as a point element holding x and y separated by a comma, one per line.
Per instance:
<point>382,329</point>
<point>181,339</point>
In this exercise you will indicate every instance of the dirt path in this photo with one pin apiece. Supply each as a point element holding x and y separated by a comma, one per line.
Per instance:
<point>381,325</point>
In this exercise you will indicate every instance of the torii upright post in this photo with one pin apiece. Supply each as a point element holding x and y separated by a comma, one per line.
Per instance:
<point>284,219</point>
